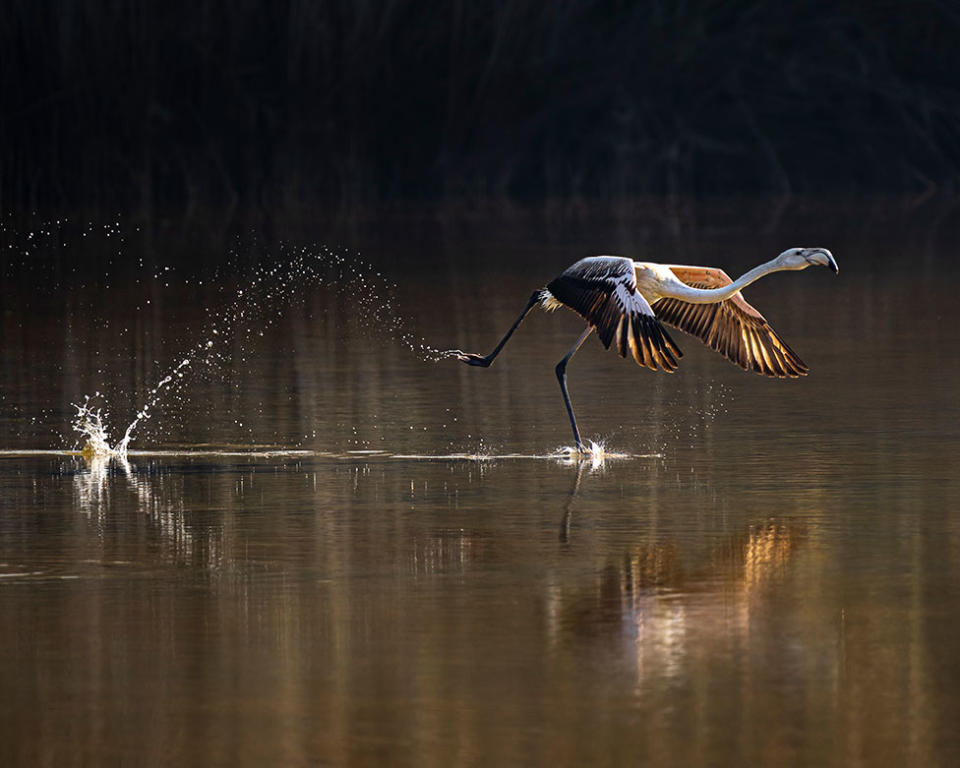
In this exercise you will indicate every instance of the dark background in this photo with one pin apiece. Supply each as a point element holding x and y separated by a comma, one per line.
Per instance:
<point>175,105</point>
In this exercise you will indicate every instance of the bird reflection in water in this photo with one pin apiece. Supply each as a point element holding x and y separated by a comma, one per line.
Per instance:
<point>593,461</point>
<point>568,508</point>
<point>662,595</point>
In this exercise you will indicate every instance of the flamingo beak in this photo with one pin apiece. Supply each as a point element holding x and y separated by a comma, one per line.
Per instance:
<point>823,258</point>
<point>832,262</point>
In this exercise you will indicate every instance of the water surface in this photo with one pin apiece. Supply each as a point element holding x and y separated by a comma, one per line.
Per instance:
<point>769,577</point>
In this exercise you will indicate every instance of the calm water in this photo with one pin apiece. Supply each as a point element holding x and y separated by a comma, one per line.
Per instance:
<point>772,577</point>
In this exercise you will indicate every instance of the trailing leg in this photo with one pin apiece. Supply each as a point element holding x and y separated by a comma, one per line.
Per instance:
<point>473,359</point>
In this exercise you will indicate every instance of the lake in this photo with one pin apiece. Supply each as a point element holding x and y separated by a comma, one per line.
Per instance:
<point>328,547</point>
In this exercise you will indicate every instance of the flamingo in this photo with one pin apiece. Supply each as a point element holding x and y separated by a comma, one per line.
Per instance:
<point>628,303</point>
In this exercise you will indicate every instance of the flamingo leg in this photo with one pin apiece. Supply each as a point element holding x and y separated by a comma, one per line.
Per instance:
<point>562,378</point>
<point>473,359</point>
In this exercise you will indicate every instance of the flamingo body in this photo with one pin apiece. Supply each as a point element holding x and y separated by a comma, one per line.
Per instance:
<point>628,303</point>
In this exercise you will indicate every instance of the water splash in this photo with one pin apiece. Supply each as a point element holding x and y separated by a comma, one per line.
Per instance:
<point>594,452</point>
<point>153,398</point>
<point>279,281</point>
<point>88,421</point>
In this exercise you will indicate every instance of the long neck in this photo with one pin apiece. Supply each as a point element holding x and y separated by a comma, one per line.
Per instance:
<point>693,295</point>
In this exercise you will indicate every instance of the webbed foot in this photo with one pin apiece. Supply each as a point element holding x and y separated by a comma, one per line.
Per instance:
<point>473,359</point>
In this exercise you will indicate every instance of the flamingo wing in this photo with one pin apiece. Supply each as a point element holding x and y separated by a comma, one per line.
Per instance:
<point>603,291</point>
<point>733,327</point>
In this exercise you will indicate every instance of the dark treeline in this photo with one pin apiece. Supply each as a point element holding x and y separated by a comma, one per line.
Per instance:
<point>353,101</point>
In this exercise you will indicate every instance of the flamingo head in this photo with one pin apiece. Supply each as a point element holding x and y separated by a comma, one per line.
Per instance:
<point>801,258</point>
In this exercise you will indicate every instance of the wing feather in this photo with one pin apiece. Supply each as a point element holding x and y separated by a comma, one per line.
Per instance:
<point>603,291</point>
<point>733,327</point>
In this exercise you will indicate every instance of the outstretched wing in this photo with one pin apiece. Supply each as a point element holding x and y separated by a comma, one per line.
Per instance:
<point>603,291</point>
<point>733,328</point>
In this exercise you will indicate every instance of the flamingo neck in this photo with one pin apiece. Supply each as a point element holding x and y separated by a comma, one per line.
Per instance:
<point>693,295</point>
